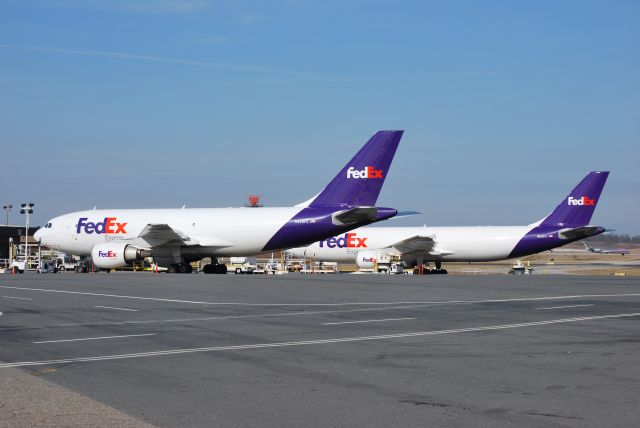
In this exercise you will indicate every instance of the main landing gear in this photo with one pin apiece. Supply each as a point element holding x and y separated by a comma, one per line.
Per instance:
<point>213,267</point>
<point>217,268</point>
<point>180,268</point>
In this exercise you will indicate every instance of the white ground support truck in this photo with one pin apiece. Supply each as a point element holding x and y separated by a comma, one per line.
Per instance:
<point>66,262</point>
<point>242,265</point>
<point>18,265</point>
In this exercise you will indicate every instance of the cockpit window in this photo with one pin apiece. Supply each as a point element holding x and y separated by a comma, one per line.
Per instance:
<point>48,226</point>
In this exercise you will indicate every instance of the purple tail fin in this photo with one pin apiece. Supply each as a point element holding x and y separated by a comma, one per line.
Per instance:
<point>577,208</point>
<point>360,181</point>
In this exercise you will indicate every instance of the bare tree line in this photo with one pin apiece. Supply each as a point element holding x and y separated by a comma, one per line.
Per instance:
<point>623,238</point>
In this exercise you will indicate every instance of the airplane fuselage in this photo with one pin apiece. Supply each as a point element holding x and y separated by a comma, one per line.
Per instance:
<point>453,244</point>
<point>211,231</point>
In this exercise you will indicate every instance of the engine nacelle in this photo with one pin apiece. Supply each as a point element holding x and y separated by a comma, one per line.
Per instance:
<point>116,254</point>
<point>368,259</point>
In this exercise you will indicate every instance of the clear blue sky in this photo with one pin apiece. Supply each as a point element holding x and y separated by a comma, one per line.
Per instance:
<point>143,103</point>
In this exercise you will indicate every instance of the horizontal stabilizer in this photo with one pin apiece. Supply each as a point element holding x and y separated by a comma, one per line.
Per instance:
<point>406,214</point>
<point>354,215</point>
<point>580,232</point>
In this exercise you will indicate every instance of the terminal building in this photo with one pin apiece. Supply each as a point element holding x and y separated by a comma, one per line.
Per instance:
<point>13,237</point>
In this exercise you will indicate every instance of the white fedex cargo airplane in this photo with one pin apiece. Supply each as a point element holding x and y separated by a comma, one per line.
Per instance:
<point>175,237</point>
<point>621,251</point>
<point>569,222</point>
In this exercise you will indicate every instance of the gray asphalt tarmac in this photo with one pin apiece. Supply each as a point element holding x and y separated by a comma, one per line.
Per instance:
<point>344,350</point>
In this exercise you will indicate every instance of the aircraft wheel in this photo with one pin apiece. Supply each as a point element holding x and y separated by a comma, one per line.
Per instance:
<point>172,269</point>
<point>221,269</point>
<point>208,269</point>
<point>182,268</point>
<point>443,271</point>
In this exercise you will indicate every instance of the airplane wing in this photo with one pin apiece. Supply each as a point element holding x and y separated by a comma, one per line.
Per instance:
<point>156,235</point>
<point>420,244</point>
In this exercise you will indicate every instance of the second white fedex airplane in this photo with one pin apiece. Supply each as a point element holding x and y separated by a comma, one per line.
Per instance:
<point>569,222</point>
<point>175,237</point>
<point>621,251</point>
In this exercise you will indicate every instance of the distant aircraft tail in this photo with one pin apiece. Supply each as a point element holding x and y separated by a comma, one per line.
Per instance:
<point>588,247</point>
<point>360,181</point>
<point>577,208</point>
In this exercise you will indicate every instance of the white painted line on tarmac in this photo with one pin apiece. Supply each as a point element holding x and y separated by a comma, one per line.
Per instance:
<point>562,307</point>
<point>436,302</point>
<point>116,309</point>
<point>311,342</point>
<point>239,317</point>
<point>365,321</point>
<point>95,338</point>
<point>14,297</point>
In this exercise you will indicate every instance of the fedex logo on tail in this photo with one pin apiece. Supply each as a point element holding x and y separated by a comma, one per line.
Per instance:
<point>583,201</point>
<point>348,240</point>
<point>108,254</point>
<point>109,226</point>
<point>367,172</point>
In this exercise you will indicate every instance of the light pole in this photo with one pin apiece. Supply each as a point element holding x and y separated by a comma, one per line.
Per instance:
<point>7,208</point>
<point>26,209</point>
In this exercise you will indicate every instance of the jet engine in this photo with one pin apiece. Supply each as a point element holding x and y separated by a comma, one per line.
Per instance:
<point>116,254</point>
<point>367,259</point>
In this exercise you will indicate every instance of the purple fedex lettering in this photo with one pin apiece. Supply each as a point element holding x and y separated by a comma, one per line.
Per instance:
<point>81,223</point>
<point>348,240</point>
<point>107,226</point>
<point>108,254</point>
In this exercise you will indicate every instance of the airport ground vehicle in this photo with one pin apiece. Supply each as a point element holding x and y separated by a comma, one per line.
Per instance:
<point>66,262</point>
<point>242,265</point>
<point>86,265</point>
<point>519,268</point>
<point>380,261</point>
<point>18,266</point>
<point>569,222</point>
<point>47,266</point>
<point>177,237</point>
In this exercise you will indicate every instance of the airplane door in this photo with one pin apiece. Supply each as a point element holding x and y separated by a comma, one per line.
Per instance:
<point>70,237</point>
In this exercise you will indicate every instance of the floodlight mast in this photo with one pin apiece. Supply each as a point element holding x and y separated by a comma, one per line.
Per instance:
<point>7,208</point>
<point>26,209</point>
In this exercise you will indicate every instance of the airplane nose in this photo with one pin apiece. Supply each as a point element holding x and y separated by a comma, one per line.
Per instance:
<point>38,235</point>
